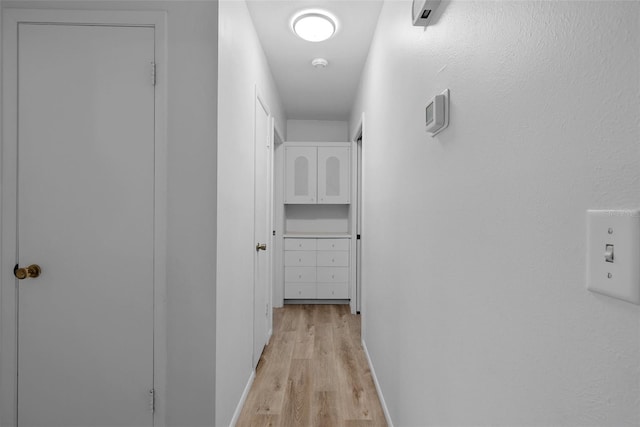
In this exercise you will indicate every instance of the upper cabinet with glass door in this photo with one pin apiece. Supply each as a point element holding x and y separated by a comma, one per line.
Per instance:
<point>300,175</point>
<point>333,175</point>
<point>316,174</point>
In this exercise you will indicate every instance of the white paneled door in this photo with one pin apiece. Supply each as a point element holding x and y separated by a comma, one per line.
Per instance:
<point>86,216</point>
<point>262,197</point>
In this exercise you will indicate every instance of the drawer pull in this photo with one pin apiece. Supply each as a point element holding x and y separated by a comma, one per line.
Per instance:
<point>299,276</point>
<point>299,259</point>
<point>333,260</point>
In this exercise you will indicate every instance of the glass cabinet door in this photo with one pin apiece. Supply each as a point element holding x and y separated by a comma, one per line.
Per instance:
<point>334,175</point>
<point>300,175</point>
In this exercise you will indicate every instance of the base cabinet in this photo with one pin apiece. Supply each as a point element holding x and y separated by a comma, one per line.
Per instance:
<point>332,291</point>
<point>316,268</point>
<point>300,291</point>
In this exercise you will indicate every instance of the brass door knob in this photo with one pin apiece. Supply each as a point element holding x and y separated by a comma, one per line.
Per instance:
<point>261,247</point>
<point>31,271</point>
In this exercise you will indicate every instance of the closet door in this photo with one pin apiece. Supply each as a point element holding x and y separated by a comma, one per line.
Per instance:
<point>333,175</point>
<point>85,214</point>
<point>300,175</point>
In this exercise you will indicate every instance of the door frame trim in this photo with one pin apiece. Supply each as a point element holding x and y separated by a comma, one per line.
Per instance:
<point>277,219</point>
<point>357,221</point>
<point>8,315</point>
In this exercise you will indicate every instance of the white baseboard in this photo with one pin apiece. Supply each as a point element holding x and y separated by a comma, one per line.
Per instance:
<point>378,389</point>
<point>243,398</point>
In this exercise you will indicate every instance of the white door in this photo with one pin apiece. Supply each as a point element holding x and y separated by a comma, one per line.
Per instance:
<point>261,224</point>
<point>300,174</point>
<point>86,217</point>
<point>334,175</point>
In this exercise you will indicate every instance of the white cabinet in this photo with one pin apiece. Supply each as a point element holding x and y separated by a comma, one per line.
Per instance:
<point>317,174</point>
<point>300,291</point>
<point>316,268</point>
<point>300,175</point>
<point>300,245</point>
<point>333,175</point>
<point>317,219</point>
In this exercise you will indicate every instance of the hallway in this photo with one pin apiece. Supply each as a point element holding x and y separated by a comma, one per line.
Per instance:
<point>313,372</point>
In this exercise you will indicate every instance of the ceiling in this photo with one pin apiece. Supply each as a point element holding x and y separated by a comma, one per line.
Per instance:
<point>316,93</point>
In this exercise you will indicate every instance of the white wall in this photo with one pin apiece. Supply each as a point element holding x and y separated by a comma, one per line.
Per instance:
<point>476,311</point>
<point>317,131</point>
<point>191,268</point>
<point>1,418</point>
<point>242,65</point>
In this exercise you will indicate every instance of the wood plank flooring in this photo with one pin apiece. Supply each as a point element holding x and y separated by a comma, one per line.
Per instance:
<point>313,373</point>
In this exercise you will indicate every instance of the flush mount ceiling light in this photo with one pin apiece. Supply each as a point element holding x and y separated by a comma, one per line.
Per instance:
<point>314,25</point>
<point>319,63</point>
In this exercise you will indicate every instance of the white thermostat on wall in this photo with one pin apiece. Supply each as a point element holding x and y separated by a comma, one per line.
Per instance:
<point>437,113</point>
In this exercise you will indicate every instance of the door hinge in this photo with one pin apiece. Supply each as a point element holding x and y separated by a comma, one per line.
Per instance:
<point>153,73</point>
<point>358,237</point>
<point>152,400</point>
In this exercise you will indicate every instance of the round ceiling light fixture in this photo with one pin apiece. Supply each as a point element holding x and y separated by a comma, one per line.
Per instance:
<point>314,25</point>
<point>319,63</point>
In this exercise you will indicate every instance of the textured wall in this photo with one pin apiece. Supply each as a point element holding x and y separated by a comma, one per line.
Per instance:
<point>476,311</point>
<point>242,67</point>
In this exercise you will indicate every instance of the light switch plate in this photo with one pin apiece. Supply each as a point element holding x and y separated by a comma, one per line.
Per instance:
<point>620,278</point>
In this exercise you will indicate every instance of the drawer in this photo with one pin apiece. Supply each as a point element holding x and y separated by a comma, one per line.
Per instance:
<point>333,258</point>
<point>333,274</point>
<point>299,244</point>
<point>333,244</point>
<point>300,274</point>
<point>300,258</point>
<point>299,291</point>
<point>333,291</point>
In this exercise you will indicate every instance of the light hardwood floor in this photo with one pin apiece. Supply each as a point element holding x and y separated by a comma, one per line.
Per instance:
<point>313,373</point>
